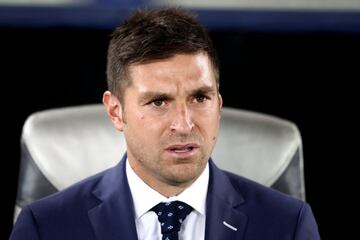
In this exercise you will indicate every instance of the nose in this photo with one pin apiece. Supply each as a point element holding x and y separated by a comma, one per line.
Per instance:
<point>181,120</point>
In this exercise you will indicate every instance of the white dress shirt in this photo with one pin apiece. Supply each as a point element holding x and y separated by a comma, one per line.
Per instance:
<point>144,198</point>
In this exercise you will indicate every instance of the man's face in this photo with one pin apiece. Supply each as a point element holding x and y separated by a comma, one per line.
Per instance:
<point>170,119</point>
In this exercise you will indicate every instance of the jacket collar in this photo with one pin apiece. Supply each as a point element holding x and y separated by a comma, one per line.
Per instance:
<point>114,217</point>
<point>112,220</point>
<point>223,218</point>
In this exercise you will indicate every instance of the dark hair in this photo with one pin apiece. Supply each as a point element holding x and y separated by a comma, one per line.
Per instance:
<point>150,35</point>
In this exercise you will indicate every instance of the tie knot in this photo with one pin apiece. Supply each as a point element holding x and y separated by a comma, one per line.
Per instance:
<point>171,215</point>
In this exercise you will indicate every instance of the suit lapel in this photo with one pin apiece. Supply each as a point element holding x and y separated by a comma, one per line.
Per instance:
<point>223,219</point>
<point>114,217</point>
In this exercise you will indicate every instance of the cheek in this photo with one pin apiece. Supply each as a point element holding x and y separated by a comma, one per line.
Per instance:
<point>147,128</point>
<point>209,122</point>
<point>210,129</point>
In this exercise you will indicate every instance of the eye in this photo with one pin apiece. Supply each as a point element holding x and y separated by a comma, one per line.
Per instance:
<point>158,102</point>
<point>201,98</point>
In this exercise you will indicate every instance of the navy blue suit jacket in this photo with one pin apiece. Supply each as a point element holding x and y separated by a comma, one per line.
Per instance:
<point>101,207</point>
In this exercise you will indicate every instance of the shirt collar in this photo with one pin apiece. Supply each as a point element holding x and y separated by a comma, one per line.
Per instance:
<point>195,195</point>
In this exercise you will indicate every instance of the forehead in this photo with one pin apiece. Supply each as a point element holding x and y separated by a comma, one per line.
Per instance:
<point>185,71</point>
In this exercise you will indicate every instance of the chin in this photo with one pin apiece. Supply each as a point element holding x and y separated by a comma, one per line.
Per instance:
<point>185,172</point>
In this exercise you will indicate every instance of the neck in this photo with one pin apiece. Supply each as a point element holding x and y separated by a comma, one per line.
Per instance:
<point>168,190</point>
<point>163,186</point>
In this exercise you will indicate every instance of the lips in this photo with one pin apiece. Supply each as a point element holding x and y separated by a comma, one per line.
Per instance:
<point>182,150</point>
<point>182,147</point>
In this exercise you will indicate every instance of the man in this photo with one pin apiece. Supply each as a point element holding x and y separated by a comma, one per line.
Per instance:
<point>163,80</point>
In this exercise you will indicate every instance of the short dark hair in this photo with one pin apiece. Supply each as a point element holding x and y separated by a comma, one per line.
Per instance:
<point>150,35</point>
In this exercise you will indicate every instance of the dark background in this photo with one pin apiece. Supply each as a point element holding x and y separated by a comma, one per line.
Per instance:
<point>307,77</point>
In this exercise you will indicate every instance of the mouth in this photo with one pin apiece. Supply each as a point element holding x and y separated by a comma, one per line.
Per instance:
<point>182,150</point>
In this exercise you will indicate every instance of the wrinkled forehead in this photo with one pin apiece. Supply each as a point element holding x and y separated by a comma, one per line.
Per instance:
<point>180,72</point>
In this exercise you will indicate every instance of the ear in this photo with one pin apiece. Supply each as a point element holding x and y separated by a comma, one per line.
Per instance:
<point>220,101</point>
<point>114,110</point>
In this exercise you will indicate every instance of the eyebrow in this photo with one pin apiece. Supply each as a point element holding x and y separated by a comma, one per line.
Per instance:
<point>203,91</point>
<point>148,96</point>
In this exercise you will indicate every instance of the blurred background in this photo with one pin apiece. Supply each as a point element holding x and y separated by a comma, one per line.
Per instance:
<point>297,59</point>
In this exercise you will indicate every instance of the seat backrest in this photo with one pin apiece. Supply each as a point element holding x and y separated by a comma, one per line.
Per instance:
<point>62,146</point>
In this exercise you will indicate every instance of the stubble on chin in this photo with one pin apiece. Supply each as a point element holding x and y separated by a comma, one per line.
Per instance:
<point>182,172</point>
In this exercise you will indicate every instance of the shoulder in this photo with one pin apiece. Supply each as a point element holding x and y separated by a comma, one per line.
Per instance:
<point>52,217</point>
<point>70,201</point>
<point>260,194</point>
<point>263,205</point>
<point>250,194</point>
